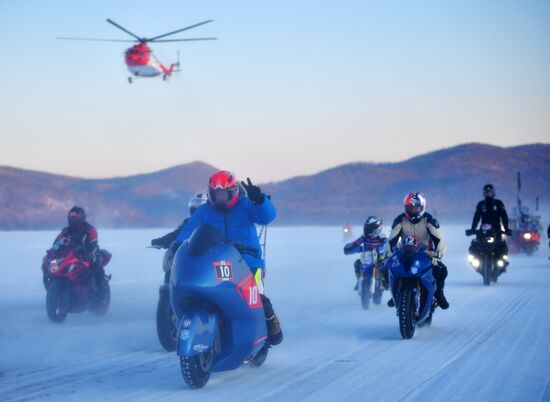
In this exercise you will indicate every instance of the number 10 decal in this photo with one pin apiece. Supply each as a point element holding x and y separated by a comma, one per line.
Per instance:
<point>253,296</point>
<point>249,292</point>
<point>224,270</point>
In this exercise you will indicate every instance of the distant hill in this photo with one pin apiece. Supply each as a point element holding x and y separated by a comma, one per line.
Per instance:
<point>450,178</point>
<point>30,200</point>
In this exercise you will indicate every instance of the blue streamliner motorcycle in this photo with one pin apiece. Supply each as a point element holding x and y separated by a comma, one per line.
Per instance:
<point>221,322</point>
<point>413,287</point>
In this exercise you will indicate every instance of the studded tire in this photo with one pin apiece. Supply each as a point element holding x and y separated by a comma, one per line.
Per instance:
<point>196,369</point>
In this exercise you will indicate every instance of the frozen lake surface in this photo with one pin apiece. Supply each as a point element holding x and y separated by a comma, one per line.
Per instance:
<point>492,343</point>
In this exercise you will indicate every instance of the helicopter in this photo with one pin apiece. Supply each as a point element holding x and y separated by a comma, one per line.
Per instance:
<point>139,58</point>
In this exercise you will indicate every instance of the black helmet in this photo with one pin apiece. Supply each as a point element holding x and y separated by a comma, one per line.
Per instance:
<point>76,216</point>
<point>372,226</point>
<point>488,191</point>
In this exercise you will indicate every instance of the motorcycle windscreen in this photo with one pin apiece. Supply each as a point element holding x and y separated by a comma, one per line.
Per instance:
<point>202,239</point>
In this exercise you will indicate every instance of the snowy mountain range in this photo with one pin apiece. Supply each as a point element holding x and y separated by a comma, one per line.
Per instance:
<point>450,178</point>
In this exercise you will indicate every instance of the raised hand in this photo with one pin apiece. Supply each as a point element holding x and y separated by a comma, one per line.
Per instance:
<point>254,192</point>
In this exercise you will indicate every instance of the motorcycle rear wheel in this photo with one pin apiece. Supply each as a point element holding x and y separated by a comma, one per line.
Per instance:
<point>57,300</point>
<point>407,314</point>
<point>196,369</point>
<point>261,356</point>
<point>100,307</point>
<point>378,290</point>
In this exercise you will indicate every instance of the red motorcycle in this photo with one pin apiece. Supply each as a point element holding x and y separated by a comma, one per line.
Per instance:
<point>69,284</point>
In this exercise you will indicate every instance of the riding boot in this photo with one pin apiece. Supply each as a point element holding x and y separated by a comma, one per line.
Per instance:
<point>274,331</point>
<point>440,297</point>
<point>440,273</point>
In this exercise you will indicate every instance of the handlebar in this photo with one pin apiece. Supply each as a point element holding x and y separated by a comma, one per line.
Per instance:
<point>470,232</point>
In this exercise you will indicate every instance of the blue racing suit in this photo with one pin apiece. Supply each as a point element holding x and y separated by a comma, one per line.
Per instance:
<point>237,224</point>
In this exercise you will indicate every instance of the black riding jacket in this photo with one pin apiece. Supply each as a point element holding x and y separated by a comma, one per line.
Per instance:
<point>492,211</point>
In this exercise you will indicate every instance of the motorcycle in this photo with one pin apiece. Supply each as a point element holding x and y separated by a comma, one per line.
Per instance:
<point>487,253</point>
<point>412,285</point>
<point>527,240</point>
<point>221,322</point>
<point>167,330</point>
<point>69,284</point>
<point>370,282</point>
<point>347,232</point>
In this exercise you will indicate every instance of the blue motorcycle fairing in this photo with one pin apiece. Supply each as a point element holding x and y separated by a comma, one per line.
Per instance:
<point>420,271</point>
<point>235,301</point>
<point>197,332</point>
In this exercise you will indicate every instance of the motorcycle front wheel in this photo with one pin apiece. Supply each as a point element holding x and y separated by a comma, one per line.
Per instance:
<point>57,300</point>
<point>487,269</point>
<point>406,313</point>
<point>196,369</point>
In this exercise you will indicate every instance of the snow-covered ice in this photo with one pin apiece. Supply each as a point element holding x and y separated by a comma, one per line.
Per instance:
<point>492,344</point>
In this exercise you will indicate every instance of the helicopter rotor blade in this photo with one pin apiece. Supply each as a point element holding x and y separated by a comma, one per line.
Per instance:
<point>182,40</point>
<point>95,39</point>
<point>179,30</point>
<point>125,30</point>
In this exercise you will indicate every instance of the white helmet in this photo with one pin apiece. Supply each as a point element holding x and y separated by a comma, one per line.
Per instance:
<point>196,201</point>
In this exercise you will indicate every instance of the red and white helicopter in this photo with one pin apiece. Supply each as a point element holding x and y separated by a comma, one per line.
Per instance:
<point>139,58</point>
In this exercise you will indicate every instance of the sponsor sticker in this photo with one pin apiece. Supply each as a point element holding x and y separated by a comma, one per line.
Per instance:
<point>200,348</point>
<point>184,335</point>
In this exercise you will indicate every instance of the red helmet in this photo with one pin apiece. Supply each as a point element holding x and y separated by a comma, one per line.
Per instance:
<point>223,190</point>
<point>415,206</point>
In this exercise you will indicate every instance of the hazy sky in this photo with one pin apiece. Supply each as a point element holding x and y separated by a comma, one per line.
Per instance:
<point>290,87</point>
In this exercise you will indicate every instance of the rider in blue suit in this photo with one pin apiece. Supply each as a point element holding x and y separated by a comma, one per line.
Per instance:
<point>236,214</point>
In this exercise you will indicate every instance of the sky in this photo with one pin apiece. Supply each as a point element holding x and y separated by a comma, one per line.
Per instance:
<point>289,88</point>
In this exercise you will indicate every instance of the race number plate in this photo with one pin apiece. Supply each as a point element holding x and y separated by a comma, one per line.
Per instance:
<point>224,270</point>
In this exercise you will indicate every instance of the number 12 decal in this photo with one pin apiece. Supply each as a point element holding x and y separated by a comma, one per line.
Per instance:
<point>224,270</point>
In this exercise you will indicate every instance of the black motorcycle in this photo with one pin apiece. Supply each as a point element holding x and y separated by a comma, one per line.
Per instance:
<point>166,319</point>
<point>487,253</point>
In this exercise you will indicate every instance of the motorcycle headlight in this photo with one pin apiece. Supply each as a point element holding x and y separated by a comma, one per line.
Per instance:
<point>505,257</point>
<point>475,263</point>
<point>470,258</point>
<point>527,236</point>
<point>54,266</point>
<point>490,239</point>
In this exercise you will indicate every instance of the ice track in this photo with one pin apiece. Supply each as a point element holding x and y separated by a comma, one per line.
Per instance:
<point>492,344</point>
